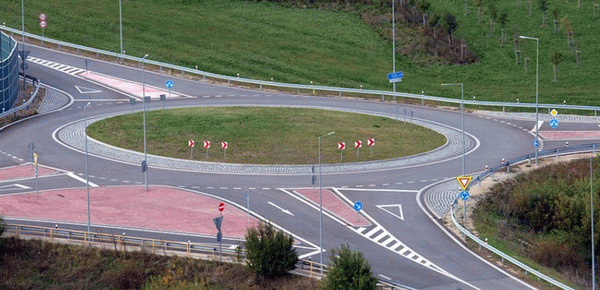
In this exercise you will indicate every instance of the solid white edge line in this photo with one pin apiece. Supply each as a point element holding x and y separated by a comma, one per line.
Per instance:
<point>457,241</point>
<point>74,176</point>
<point>377,189</point>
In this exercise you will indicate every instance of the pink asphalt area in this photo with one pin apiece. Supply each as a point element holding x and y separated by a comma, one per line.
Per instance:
<point>23,171</point>
<point>563,135</point>
<point>160,208</point>
<point>131,88</point>
<point>335,205</point>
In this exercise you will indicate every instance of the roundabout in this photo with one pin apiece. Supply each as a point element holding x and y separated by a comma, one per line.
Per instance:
<point>410,251</point>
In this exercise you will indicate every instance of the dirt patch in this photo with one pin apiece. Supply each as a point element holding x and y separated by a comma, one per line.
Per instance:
<point>24,95</point>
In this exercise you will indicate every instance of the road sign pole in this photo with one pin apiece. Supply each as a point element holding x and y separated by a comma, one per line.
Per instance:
<point>191,152</point>
<point>220,243</point>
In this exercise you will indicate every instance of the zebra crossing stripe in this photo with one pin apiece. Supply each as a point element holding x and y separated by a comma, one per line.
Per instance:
<point>56,66</point>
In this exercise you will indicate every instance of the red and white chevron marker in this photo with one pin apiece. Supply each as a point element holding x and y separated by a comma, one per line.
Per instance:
<point>191,143</point>
<point>224,145</point>
<point>206,144</point>
<point>341,145</point>
<point>371,142</point>
<point>357,144</point>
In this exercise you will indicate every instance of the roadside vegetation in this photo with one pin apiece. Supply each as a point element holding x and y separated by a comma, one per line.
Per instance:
<point>249,133</point>
<point>543,218</point>
<point>36,264</point>
<point>348,43</point>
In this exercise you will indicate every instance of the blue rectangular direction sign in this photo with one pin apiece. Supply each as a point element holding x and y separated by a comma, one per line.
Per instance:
<point>395,77</point>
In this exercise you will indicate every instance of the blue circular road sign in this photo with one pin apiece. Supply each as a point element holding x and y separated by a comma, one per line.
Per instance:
<point>536,143</point>
<point>169,84</point>
<point>464,195</point>
<point>554,123</point>
<point>358,206</point>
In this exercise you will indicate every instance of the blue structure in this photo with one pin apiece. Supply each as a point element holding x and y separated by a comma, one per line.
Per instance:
<point>9,72</point>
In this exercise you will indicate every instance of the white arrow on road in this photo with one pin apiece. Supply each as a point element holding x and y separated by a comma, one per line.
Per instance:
<point>400,215</point>
<point>281,209</point>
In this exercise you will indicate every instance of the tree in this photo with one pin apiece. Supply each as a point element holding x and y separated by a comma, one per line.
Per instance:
<point>450,24</point>
<point>349,270</point>
<point>556,58</point>
<point>270,252</point>
<point>543,5</point>
<point>555,13</point>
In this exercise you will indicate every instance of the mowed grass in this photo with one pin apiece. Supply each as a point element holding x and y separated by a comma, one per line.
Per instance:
<point>265,40</point>
<point>266,135</point>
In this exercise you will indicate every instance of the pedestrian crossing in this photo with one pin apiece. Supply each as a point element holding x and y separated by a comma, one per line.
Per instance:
<point>56,66</point>
<point>382,237</point>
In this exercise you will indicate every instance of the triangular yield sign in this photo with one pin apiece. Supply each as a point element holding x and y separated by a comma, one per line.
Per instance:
<point>392,211</point>
<point>464,181</point>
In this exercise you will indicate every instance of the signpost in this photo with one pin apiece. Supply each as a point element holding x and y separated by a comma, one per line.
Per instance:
<point>169,84</point>
<point>43,22</point>
<point>358,207</point>
<point>191,145</point>
<point>464,181</point>
<point>370,143</point>
<point>247,193</point>
<point>35,163</point>
<point>395,77</point>
<point>218,222</point>
<point>341,147</point>
<point>207,145</point>
<point>224,145</point>
<point>357,145</point>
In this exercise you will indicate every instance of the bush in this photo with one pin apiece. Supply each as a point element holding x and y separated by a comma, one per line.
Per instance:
<point>350,270</point>
<point>2,226</point>
<point>269,252</point>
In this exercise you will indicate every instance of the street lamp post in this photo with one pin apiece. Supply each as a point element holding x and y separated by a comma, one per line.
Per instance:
<point>121,25</point>
<point>321,203</point>
<point>462,98</point>
<point>537,80</point>
<point>87,176</point>
<point>23,30</point>
<point>394,40</point>
<point>144,109</point>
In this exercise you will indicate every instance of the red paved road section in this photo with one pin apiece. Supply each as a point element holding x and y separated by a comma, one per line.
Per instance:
<point>335,205</point>
<point>23,171</point>
<point>160,208</point>
<point>128,87</point>
<point>564,135</point>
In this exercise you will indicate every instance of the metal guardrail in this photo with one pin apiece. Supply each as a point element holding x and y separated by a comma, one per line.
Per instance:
<point>544,153</point>
<point>261,83</point>
<point>306,268</point>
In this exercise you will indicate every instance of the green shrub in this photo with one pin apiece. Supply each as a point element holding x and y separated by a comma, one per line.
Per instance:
<point>270,252</point>
<point>349,270</point>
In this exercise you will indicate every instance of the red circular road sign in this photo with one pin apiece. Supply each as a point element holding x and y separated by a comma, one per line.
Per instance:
<point>224,145</point>
<point>43,24</point>
<point>206,144</point>
<point>42,16</point>
<point>371,142</point>
<point>357,144</point>
<point>221,207</point>
<point>191,143</point>
<point>341,145</point>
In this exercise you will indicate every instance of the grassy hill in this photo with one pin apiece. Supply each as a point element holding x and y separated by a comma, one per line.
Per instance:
<point>263,40</point>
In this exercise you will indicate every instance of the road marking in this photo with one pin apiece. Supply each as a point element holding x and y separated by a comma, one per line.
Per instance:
<point>8,187</point>
<point>252,188</point>
<point>84,90</point>
<point>360,185</point>
<point>237,188</point>
<point>74,176</point>
<point>266,188</point>
<point>539,125</point>
<point>372,185</point>
<point>376,189</point>
<point>126,181</point>
<point>385,277</point>
<point>210,187</point>
<point>399,206</point>
<point>222,187</point>
<point>281,209</point>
